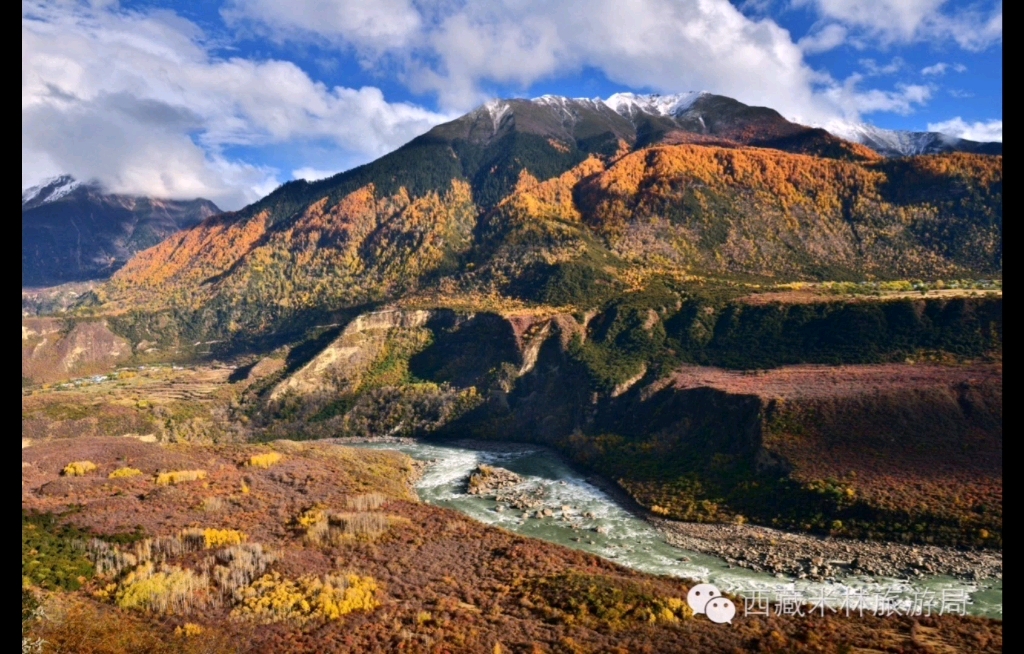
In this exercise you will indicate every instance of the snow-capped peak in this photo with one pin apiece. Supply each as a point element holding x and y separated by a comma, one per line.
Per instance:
<point>628,104</point>
<point>50,190</point>
<point>890,142</point>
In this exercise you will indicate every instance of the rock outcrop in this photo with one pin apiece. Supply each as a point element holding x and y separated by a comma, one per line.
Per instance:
<point>53,350</point>
<point>339,366</point>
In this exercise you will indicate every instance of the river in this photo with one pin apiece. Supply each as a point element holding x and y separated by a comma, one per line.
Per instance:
<point>599,525</point>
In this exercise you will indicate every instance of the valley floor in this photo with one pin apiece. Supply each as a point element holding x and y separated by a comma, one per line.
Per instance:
<point>439,581</point>
<point>434,580</point>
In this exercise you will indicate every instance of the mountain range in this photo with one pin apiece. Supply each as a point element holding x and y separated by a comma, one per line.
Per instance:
<point>611,278</point>
<point>73,231</point>
<point>897,143</point>
<point>565,202</point>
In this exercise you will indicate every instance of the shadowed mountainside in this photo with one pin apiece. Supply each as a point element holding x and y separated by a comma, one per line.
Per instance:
<point>74,232</point>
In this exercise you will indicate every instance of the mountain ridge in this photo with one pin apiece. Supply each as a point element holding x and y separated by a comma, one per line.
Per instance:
<point>74,231</point>
<point>889,143</point>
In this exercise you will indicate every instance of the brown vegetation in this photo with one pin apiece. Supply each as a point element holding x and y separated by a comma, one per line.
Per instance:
<point>441,582</point>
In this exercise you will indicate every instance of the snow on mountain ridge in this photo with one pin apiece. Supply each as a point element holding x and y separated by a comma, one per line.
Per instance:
<point>892,142</point>
<point>496,109</point>
<point>50,190</point>
<point>627,104</point>
<point>630,105</point>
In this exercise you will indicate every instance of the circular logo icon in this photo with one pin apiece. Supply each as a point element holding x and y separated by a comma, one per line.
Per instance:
<point>720,610</point>
<point>699,595</point>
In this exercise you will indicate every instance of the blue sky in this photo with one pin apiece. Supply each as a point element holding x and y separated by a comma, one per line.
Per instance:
<point>228,100</point>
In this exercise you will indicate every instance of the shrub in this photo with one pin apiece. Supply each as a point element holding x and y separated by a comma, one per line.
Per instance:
<point>359,524</point>
<point>274,599</point>
<point>604,600</point>
<point>171,590</point>
<point>87,627</point>
<point>122,473</point>
<point>188,630</point>
<point>264,460</point>
<point>199,538</point>
<point>325,528</point>
<point>221,537</point>
<point>49,558</point>
<point>365,502</point>
<point>78,468</point>
<point>239,566</point>
<point>212,504</point>
<point>310,517</point>
<point>176,477</point>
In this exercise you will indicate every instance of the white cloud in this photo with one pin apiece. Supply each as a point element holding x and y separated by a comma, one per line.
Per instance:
<point>895,21</point>
<point>312,174</point>
<point>461,49</point>
<point>375,25</point>
<point>827,38</point>
<point>181,110</point>
<point>759,7</point>
<point>874,69</point>
<point>941,67</point>
<point>903,100</point>
<point>136,101</point>
<point>990,130</point>
<point>935,69</point>
<point>972,29</point>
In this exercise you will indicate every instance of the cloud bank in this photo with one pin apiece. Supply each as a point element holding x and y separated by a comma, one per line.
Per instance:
<point>136,101</point>
<point>991,130</point>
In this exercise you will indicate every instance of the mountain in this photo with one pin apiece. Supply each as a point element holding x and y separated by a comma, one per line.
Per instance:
<point>897,143</point>
<point>604,277</point>
<point>565,202</point>
<point>74,231</point>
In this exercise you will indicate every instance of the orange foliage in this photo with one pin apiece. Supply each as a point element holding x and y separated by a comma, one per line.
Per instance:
<point>206,250</point>
<point>552,198</point>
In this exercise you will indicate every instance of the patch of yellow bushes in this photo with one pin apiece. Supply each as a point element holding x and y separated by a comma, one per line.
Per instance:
<point>272,598</point>
<point>122,473</point>
<point>264,460</point>
<point>178,476</point>
<point>188,630</point>
<point>79,468</point>
<point>223,537</point>
<point>170,590</point>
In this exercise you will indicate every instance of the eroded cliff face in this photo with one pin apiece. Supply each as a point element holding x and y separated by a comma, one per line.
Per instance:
<point>53,350</point>
<point>907,452</point>
<point>340,367</point>
<point>819,447</point>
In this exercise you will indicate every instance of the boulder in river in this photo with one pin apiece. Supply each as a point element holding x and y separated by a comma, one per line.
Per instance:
<point>489,480</point>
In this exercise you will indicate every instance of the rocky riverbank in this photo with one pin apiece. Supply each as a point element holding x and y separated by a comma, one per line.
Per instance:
<point>757,548</point>
<point>810,557</point>
<point>806,556</point>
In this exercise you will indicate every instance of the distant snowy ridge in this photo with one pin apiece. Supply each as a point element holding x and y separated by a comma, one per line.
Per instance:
<point>50,190</point>
<point>893,142</point>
